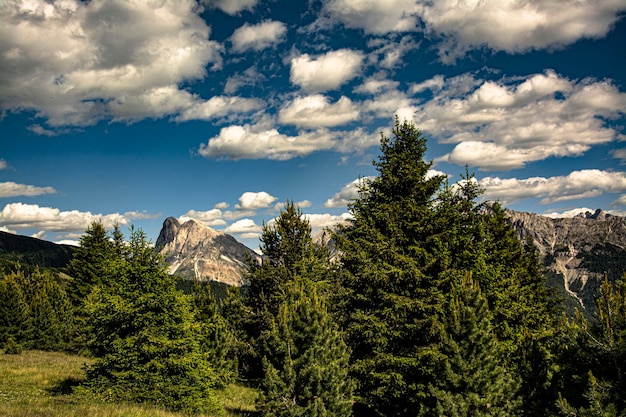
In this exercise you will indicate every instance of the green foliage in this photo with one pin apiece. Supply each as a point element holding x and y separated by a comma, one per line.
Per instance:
<point>411,239</point>
<point>600,358</point>
<point>217,339</point>
<point>287,251</point>
<point>306,367</point>
<point>476,381</point>
<point>34,311</point>
<point>15,317</point>
<point>90,262</point>
<point>144,337</point>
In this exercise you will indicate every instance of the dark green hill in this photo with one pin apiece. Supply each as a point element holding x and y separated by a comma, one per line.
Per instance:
<point>31,252</point>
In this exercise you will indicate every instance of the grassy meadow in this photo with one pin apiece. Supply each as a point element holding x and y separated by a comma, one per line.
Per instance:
<point>40,384</point>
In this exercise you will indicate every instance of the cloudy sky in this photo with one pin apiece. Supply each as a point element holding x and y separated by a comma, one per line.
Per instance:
<point>220,110</point>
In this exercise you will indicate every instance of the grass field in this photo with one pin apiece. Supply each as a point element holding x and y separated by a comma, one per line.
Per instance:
<point>39,384</point>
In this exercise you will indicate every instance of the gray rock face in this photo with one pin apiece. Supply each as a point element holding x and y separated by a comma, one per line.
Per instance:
<point>195,251</point>
<point>577,252</point>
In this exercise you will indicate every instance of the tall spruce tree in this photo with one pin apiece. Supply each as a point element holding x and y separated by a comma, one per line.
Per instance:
<point>411,238</point>
<point>287,251</point>
<point>390,301</point>
<point>143,336</point>
<point>306,362</point>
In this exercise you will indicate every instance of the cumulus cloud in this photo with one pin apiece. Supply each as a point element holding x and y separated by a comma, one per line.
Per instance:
<point>348,192</point>
<point>316,111</point>
<point>220,107</point>
<point>75,63</point>
<point>322,221</point>
<point>11,189</point>
<point>325,72</point>
<point>210,217</point>
<point>254,201</point>
<point>506,124</point>
<point>231,7</point>
<point>253,142</point>
<point>373,17</point>
<point>17,216</point>
<point>245,226</point>
<point>515,26</point>
<point>578,184</point>
<point>258,37</point>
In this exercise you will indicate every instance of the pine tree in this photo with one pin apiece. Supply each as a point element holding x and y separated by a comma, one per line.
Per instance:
<point>306,367</point>
<point>600,359</point>
<point>90,261</point>
<point>51,312</point>
<point>216,337</point>
<point>15,317</point>
<point>143,337</point>
<point>390,301</point>
<point>476,381</point>
<point>287,251</point>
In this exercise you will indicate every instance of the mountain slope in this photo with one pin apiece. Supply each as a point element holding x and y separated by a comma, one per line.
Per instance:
<point>577,252</point>
<point>31,251</point>
<point>195,251</point>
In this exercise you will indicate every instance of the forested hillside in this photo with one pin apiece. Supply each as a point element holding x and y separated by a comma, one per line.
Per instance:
<point>433,307</point>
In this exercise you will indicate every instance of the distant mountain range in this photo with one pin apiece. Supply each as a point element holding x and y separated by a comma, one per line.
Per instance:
<point>576,252</point>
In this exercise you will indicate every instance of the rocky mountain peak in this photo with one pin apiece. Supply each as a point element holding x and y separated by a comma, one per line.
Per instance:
<point>196,251</point>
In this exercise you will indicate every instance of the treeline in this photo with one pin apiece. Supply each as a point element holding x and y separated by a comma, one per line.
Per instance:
<point>430,307</point>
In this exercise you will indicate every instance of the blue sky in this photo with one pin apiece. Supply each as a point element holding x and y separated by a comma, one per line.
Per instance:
<point>220,110</point>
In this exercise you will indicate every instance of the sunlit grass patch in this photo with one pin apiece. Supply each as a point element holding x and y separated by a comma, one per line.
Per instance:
<point>40,384</point>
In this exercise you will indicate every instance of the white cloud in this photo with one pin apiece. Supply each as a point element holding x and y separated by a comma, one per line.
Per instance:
<point>619,154</point>
<point>220,107</point>
<point>507,124</point>
<point>11,189</point>
<point>231,7</point>
<point>249,77</point>
<point>322,221</point>
<point>253,142</point>
<point>516,26</point>
<point>325,72</point>
<point>254,201</point>
<point>3,164</point>
<point>578,184</point>
<point>621,201</point>
<point>25,216</point>
<point>247,226</point>
<point>374,17</point>
<point>300,204</point>
<point>75,63</point>
<point>210,218</point>
<point>258,37</point>
<point>222,205</point>
<point>348,192</point>
<point>316,111</point>
<point>376,86</point>
<point>389,54</point>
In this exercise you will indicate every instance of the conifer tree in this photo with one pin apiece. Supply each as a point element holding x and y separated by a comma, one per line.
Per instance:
<point>476,380</point>
<point>390,301</point>
<point>90,261</point>
<point>600,358</point>
<point>287,251</point>
<point>306,367</point>
<point>216,335</point>
<point>15,317</point>
<point>143,337</point>
<point>51,312</point>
